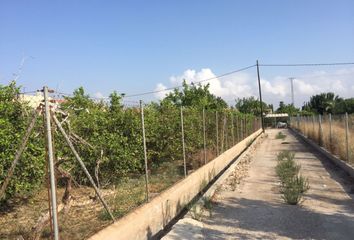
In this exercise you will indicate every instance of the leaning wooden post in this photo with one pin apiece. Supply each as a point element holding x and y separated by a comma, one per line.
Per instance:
<point>145,153</point>
<point>18,154</point>
<point>82,165</point>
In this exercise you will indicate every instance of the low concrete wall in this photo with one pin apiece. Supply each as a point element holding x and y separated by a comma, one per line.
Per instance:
<point>150,218</point>
<point>336,160</point>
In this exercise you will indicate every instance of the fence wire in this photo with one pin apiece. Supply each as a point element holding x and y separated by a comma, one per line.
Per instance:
<point>108,137</point>
<point>333,132</point>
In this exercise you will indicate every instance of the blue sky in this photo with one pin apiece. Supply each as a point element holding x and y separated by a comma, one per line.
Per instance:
<point>133,46</point>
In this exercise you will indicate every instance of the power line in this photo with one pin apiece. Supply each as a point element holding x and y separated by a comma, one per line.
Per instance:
<point>29,92</point>
<point>222,75</point>
<point>96,98</point>
<point>306,64</point>
<point>204,80</point>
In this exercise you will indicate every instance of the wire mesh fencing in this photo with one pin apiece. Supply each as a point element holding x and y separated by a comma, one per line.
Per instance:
<point>333,132</point>
<point>109,158</point>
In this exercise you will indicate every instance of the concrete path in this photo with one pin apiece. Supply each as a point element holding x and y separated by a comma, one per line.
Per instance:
<point>255,210</point>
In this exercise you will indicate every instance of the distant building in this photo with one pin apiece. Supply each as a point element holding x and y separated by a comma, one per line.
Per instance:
<point>35,100</point>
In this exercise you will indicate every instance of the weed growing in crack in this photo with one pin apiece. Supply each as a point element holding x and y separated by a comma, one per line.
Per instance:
<point>280,135</point>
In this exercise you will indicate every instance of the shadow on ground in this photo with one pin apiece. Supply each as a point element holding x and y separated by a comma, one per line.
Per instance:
<point>288,221</point>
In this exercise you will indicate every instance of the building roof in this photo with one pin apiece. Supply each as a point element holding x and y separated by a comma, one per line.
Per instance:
<point>276,115</point>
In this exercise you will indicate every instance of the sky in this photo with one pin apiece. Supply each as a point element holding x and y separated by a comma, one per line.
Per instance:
<point>140,46</point>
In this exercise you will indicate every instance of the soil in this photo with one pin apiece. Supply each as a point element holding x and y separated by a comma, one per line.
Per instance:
<point>86,215</point>
<point>254,209</point>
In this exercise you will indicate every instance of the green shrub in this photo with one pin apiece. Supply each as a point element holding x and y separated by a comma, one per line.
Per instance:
<point>285,155</point>
<point>110,134</point>
<point>280,135</point>
<point>294,189</point>
<point>293,185</point>
<point>14,118</point>
<point>286,169</point>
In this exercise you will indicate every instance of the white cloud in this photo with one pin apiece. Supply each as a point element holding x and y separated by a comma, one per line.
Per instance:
<point>161,94</point>
<point>277,88</point>
<point>226,87</point>
<point>244,84</point>
<point>98,95</point>
<point>302,87</point>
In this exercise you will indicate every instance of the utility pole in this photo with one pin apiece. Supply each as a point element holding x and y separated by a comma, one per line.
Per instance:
<point>292,90</point>
<point>260,96</point>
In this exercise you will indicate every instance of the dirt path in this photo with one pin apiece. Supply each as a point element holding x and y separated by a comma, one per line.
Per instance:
<point>255,210</point>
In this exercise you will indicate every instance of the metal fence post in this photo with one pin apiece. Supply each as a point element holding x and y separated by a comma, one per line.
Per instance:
<point>204,138</point>
<point>145,154</point>
<point>183,145</point>
<point>347,135</point>
<point>320,140</point>
<point>246,127</point>
<point>298,121</point>
<point>241,126</point>
<point>330,130</point>
<point>313,125</point>
<point>238,130</point>
<point>232,129</point>
<point>223,139</point>
<point>217,133</point>
<point>53,195</point>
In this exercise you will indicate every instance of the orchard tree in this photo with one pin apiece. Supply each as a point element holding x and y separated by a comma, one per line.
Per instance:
<point>14,119</point>
<point>251,105</point>
<point>322,103</point>
<point>194,96</point>
<point>287,108</point>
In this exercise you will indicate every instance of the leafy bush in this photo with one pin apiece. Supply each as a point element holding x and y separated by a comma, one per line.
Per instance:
<point>294,189</point>
<point>286,167</point>
<point>14,118</point>
<point>108,136</point>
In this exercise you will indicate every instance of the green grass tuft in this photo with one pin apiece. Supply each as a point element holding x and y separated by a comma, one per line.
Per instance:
<point>293,185</point>
<point>280,135</point>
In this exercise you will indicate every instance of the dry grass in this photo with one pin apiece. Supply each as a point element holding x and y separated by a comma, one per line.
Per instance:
<point>87,216</point>
<point>336,145</point>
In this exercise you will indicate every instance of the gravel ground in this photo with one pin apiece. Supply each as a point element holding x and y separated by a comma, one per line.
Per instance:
<point>254,208</point>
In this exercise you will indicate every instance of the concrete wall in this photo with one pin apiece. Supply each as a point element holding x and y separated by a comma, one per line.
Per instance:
<point>150,218</point>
